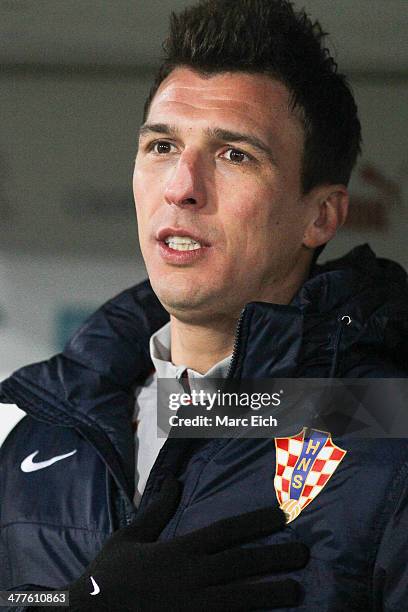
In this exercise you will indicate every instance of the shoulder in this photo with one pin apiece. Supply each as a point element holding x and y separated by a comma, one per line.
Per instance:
<point>47,473</point>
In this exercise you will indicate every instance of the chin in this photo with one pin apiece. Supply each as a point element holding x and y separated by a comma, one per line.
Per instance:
<point>182,300</point>
<point>176,293</point>
<point>175,302</point>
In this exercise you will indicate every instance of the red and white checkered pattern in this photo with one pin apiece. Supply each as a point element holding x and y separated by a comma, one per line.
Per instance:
<point>288,451</point>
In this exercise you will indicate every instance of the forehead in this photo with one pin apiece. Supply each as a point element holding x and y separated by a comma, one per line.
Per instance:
<point>236,99</point>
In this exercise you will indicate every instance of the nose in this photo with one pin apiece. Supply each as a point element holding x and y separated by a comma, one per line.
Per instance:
<point>185,187</point>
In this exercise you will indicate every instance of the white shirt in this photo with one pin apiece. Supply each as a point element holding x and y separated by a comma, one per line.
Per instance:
<point>147,444</point>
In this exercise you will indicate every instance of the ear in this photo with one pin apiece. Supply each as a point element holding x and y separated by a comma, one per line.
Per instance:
<point>328,207</point>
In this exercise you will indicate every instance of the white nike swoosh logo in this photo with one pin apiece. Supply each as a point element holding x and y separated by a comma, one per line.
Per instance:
<point>95,586</point>
<point>27,465</point>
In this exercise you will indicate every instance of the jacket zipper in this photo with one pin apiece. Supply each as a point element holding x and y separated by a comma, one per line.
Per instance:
<point>163,450</point>
<point>237,342</point>
<point>336,344</point>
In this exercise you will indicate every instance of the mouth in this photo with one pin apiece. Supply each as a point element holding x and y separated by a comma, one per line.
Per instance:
<point>179,245</point>
<point>182,243</point>
<point>180,239</point>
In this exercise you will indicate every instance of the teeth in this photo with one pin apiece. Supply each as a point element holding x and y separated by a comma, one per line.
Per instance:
<point>182,243</point>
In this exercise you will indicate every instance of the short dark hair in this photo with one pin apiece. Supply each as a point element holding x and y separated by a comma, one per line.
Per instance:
<point>270,37</point>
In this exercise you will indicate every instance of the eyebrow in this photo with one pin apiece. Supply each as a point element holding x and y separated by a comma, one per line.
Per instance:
<point>158,128</point>
<point>216,132</point>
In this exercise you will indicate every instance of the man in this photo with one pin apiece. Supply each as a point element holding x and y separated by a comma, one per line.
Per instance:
<point>248,141</point>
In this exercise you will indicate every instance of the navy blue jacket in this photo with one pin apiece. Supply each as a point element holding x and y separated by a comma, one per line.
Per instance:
<point>54,521</point>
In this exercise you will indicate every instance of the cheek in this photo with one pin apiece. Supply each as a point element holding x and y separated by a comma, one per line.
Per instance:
<point>244,212</point>
<point>140,183</point>
<point>253,214</point>
<point>142,199</point>
<point>260,230</point>
<point>146,193</point>
<point>137,189</point>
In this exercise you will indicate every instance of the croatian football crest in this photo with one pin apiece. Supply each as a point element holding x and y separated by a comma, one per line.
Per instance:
<point>304,464</point>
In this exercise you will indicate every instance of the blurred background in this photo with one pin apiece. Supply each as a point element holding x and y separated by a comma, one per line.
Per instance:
<point>74,76</point>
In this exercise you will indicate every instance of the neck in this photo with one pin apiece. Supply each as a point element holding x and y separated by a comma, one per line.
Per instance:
<point>200,346</point>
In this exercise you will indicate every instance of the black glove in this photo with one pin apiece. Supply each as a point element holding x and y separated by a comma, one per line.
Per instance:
<point>201,571</point>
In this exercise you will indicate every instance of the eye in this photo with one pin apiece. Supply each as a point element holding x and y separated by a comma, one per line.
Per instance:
<point>162,147</point>
<point>236,156</point>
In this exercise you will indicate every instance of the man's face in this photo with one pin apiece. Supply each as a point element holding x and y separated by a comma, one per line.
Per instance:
<point>219,161</point>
